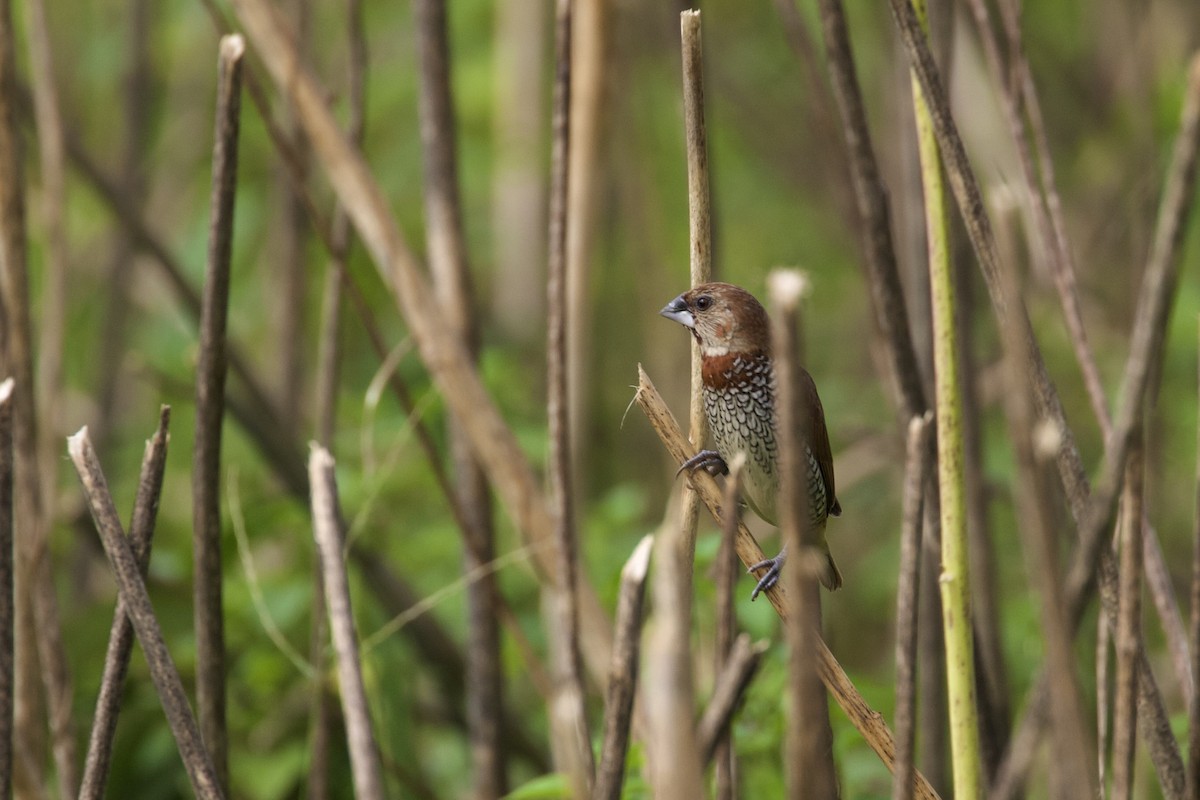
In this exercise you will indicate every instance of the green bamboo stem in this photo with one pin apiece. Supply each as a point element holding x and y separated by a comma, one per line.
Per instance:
<point>954,581</point>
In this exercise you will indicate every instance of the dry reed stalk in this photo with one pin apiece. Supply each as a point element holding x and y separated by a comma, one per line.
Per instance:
<point>132,591</point>
<point>667,690</point>
<point>568,715</point>
<point>6,588</point>
<point>729,688</point>
<point>622,678</point>
<point>327,531</point>
<point>210,410</point>
<point>727,573</point>
<point>1193,711</point>
<point>449,268</point>
<point>811,771</point>
<point>1128,639</point>
<point>121,634</point>
<point>916,474</point>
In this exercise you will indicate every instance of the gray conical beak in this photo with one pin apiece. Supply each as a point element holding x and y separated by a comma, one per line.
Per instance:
<point>677,310</point>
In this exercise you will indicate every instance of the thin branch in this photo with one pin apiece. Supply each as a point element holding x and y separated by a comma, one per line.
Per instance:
<point>210,411</point>
<point>132,590</point>
<point>872,200</point>
<point>622,678</point>
<point>1193,711</point>
<point>809,745</point>
<point>1128,639</point>
<point>727,573</point>
<point>1072,746</point>
<point>6,589</point>
<point>868,721</point>
<point>327,530</point>
<point>568,715</point>
<point>667,690</point>
<point>38,631</point>
<point>451,274</point>
<point>120,637</point>
<point>916,473</point>
<point>729,688</point>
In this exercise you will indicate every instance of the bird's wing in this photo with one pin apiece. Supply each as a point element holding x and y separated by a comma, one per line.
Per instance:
<point>818,438</point>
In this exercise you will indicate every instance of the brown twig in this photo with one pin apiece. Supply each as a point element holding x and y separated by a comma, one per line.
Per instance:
<point>871,196</point>
<point>55,675</point>
<point>6,588</point>
<point>727,573</point>
<point>451,275</point>
<point>1193,740</point>
<point>916,473</point>
<point>137,103</point>
<point>1072,747</point>
<point>1128,640</point>
<point>444,353</point>
<point>289,273</point>
<point>729,688</point>
<point>868,721</point>
<point>809,736</point>
<point>568,716</point>
<point>590,69</point>
<point>120,637</point>
<point>132,589</point>
<point>622,678</point>
<point>210,411</point>
<point>518,190</point>
<point>38,631</point>
<point>667,690</point>
<point>327,531</point>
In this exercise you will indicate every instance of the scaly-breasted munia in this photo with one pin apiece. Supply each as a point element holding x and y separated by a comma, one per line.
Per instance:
<point>734,334</point>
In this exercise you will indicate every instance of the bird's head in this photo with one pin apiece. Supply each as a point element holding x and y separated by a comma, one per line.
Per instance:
<point>724,319</point>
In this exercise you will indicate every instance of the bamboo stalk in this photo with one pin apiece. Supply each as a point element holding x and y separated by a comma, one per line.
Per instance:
<point>955,581</point>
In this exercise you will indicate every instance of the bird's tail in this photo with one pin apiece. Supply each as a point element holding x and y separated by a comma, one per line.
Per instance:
<point>829,575</point>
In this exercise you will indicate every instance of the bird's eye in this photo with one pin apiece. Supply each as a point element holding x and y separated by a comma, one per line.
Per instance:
<point>703,302</point>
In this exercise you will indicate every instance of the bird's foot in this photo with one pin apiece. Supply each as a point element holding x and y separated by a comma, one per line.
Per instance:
<point>774,567</point>
<point>708,460</point>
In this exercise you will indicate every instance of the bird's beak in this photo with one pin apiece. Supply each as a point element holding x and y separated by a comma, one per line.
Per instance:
<point>677,310</point>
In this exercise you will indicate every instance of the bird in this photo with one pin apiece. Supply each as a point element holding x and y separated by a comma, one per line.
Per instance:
<point>734,334</point>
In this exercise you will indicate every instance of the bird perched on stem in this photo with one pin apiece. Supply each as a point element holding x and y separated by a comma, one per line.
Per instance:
<point>734,334</point>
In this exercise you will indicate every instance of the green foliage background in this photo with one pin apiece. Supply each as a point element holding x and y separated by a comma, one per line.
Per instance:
<point>1110,78</point>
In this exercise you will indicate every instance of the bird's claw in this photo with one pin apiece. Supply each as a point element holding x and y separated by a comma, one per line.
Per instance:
<point>708,460</point>
<point>774,567</point>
